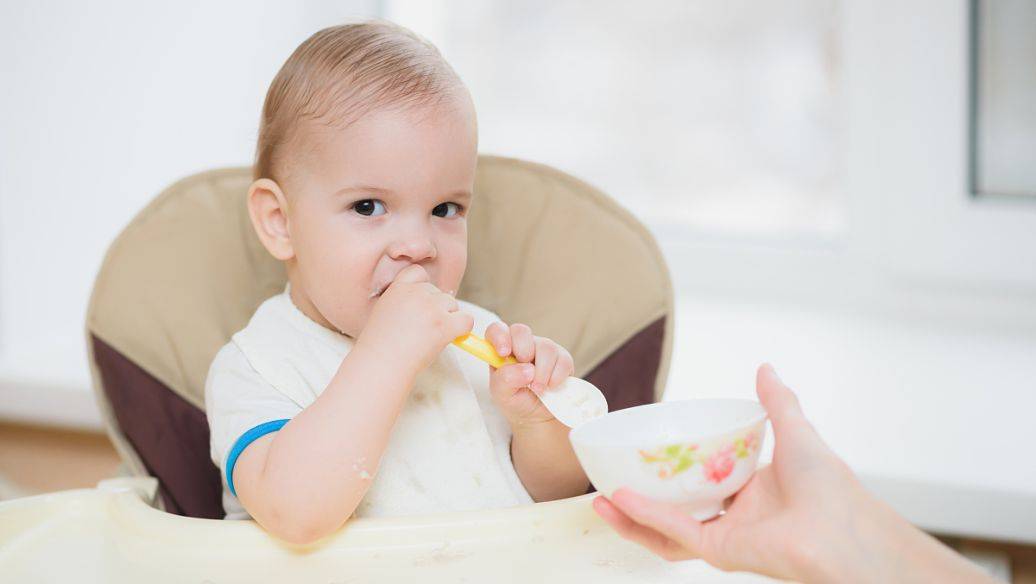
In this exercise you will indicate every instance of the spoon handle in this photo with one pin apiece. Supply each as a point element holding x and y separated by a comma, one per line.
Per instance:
<point>482,349</point>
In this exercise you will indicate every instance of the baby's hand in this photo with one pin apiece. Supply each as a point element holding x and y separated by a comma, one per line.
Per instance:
<point>414,319</point>
<point>542,365</point>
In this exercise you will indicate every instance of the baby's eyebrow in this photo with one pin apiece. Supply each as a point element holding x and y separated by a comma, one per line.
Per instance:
<point>361,189</point>
<point>463,196</point>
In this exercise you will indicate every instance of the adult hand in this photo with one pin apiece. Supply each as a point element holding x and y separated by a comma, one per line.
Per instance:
<point>803,517</point>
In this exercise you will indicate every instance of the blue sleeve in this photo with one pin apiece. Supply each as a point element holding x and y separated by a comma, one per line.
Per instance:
<point>247,438</point>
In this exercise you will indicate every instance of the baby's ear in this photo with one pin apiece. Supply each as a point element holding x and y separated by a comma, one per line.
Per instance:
<point>268,209</point>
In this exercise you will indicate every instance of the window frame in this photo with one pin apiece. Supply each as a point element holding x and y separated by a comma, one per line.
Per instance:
<point>974,110</point>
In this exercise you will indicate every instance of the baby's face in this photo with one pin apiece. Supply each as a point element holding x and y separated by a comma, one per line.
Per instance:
<point>390,190</point>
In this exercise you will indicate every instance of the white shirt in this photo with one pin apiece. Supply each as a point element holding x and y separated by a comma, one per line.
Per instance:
<point>450,447</point>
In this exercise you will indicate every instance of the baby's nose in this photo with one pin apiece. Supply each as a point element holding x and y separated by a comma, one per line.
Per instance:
<point>415,250</point>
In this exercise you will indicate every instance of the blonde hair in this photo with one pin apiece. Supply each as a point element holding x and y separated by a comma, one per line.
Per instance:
<point>343,72</point>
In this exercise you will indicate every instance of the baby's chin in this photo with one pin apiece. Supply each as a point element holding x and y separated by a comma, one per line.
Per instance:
<point>350,329</point>
<point>349,318</point>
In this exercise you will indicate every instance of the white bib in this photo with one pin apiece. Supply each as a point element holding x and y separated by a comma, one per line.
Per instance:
<point>450,447</point>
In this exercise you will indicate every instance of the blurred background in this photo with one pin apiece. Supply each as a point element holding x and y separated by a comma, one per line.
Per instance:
<point>844,188</point>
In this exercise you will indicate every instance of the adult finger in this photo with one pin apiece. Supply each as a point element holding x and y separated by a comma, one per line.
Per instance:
<point>633,531</point>
<point>662,517</point>
<point>780,402</point>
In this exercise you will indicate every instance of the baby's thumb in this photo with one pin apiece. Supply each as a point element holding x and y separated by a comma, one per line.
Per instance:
<point>512,376</point>
<point>412,274</point>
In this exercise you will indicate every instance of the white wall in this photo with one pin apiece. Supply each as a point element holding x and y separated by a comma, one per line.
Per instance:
<point>102,104</point>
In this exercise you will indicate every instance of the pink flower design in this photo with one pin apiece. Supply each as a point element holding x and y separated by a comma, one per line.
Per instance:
<point>747,445</point>
<point>719,465</point>
<point>751,441</point>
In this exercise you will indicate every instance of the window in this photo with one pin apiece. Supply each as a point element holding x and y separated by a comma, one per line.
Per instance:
<point>1004,97</point>
<point>800,148</point>
<point>716,118</point>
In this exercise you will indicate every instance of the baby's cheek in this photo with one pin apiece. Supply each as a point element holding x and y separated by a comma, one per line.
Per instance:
<point>453,260</point>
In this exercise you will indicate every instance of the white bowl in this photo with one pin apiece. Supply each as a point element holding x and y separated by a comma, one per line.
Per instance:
<point>693,453</point>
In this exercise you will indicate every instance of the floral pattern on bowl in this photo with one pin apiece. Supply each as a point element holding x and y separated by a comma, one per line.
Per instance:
<point>671,460</point>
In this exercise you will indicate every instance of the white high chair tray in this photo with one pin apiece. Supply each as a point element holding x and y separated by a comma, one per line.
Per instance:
<point>111,534</point>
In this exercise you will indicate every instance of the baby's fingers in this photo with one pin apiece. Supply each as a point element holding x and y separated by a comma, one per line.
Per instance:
<point>546,358</point>
<point>523,344</point>
<point>564,368</point>
<point>511,378</point>
<point>458,324</point>
<point>500,337</point>
<point>412,274</point>
<point>447,302</point>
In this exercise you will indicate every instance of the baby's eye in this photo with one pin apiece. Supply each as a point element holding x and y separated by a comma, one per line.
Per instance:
<point>369,207</point>
<point>444,210</point>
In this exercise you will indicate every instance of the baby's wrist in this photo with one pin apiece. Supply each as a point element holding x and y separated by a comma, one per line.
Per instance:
<point>523,427</point>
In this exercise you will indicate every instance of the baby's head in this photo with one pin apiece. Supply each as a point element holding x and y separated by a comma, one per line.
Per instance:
<point>365,165</point>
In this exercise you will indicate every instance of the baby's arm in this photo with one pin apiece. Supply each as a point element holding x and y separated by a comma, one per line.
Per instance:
<point>542,455</point>
<point>546,463</point>
<point>303,482</point>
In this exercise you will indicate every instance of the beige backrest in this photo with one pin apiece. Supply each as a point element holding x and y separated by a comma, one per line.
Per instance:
<point>544,249</point>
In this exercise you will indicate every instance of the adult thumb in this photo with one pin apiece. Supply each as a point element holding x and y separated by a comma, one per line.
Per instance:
<point>780,403</point>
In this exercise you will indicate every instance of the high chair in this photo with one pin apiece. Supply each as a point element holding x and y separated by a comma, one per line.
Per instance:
<point>188,271</point>
<point>545,249</point>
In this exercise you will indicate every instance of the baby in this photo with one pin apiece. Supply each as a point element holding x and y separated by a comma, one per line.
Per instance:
<point>343,396</point>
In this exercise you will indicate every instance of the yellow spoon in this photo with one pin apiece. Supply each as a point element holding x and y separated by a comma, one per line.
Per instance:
<point>482,349</point>
<point>572,402</point>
